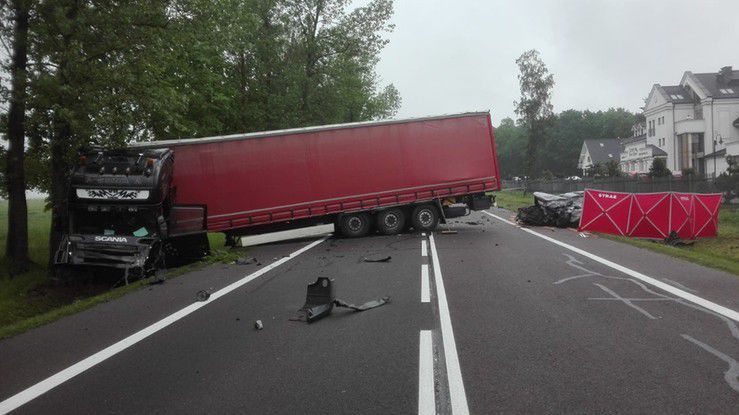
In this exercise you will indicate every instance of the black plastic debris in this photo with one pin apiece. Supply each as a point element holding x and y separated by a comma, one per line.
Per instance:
<point>562,211</point>
<point>246,261</point>
<point>202,295</point>
<point>320,300</point>
<point>385,259</point>
<point>674,240</point>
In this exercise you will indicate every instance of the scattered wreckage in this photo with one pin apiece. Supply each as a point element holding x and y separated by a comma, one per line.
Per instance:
<point>320,300</point>
<point>562,211</point>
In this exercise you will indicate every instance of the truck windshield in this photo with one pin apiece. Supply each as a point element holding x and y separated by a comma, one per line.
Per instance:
<point>123,222</point>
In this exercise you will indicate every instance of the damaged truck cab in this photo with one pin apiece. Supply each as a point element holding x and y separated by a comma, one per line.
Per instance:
<point>122,213</point>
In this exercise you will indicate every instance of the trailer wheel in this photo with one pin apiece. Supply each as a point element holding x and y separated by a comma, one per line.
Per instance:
<point>391,221</point>
<point>425,218</point>
<point>354,225</point>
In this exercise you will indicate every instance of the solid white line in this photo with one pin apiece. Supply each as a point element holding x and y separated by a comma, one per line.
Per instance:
<point>454,372</point>
<point>425,286</point>
<point>724,311</point>
<point>426,390</point>
<point>424,250</point>
<point>57,379</point>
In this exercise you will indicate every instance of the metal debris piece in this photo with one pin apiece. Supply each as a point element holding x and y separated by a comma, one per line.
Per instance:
<point>202,295</point>
<point>448,232</point>
<point>320,301</point>
<point>258,325</point>
<point>385,259</point>
<point>364,307</point>
<point>473,223</point>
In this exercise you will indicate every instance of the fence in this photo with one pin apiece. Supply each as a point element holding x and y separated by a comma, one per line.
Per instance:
<point>617,184</point>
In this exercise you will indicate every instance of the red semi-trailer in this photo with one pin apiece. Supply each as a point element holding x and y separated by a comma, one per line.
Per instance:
<point>388,175</point>
<point>263,178</point>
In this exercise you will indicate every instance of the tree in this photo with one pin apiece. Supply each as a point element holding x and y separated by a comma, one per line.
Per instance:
<point>534,107</point>
<point>16,248</point>
<point>659,168</point>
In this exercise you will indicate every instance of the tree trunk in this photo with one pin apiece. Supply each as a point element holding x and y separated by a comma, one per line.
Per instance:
<point>58,191</point>
<point>16,248</point>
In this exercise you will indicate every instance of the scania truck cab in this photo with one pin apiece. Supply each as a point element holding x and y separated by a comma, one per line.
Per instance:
<point>122,213</point>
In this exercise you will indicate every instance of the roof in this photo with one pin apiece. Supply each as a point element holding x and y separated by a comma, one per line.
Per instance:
<point>633,139</point>
<point>656,151</point>
<point>676,94</point>
<point>263,134</point>
<point>714,82</point>
<point>600,149</point>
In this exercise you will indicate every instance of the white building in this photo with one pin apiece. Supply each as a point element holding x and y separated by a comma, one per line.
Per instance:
<point>696,123</point>
<point>595,151</point>
<point>636,155</point>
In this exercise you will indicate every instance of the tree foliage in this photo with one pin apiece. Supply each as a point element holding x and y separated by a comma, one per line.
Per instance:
<point>105,72</point>
<point>565,133</point>
<point>534,106</point>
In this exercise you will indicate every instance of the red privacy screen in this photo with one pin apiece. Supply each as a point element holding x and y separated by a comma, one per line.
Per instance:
<point>651,215</point>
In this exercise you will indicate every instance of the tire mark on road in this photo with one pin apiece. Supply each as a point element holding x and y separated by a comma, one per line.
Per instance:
<point>732,373</point>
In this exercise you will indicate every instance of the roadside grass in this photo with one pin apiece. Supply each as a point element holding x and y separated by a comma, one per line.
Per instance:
<point>720,253</point>
<point>513,200</point>
<point>33,299</point>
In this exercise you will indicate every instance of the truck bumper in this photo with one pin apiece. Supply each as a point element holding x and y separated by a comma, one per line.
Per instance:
<point>79,250</point>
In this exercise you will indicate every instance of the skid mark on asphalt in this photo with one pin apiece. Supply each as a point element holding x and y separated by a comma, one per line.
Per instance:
<point>626,301</point>
<point>732,373</point>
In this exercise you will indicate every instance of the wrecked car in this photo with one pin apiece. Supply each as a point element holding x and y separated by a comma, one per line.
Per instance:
<point>562,211</point>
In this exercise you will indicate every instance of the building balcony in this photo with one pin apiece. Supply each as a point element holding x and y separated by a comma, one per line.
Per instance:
<point>687,126</point>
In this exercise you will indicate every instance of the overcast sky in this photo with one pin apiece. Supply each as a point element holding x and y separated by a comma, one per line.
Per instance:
<point>459,55</point>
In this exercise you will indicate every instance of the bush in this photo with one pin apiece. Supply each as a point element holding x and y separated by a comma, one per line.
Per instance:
<point>659,168</point>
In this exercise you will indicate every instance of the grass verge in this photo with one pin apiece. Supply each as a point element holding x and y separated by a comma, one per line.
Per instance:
<point>720,253</point>
<point>31,300</point>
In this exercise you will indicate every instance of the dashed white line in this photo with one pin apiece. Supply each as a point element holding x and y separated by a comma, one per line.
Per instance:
<point>426,390</point>
<point>457,394</point>
<point>425,286</point>
<point>424,249</point>
<point>717,308</point>
<point>57,379</point>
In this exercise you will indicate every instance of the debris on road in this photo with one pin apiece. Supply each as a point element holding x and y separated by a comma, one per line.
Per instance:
<point>561,211</point>
<point>364,307</point>
<point>202,295</point>
<point>583,234</point>
<point>319,302</point>
<point>473,223</point>
<point>385,259</point>
<point>245,261</point>
<point>448,232</point>
<point>258,325</point>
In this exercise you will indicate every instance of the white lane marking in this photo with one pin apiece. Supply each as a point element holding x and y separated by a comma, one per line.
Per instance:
<point>717,308</point>
<point>425,286</point>
<point>57,379</point>
<point>426,390</point>
<point>424,249</point>
<point>453,370</point>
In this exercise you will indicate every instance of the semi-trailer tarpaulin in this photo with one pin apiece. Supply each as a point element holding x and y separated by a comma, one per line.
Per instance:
<point>651,215</point>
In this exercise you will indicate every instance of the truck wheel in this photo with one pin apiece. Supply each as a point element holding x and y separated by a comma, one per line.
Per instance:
<point>425,218</point>
<point>354,225</point>
<point>390,221</point>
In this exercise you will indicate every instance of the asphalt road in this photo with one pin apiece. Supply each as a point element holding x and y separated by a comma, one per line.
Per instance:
<point>515,322</point>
